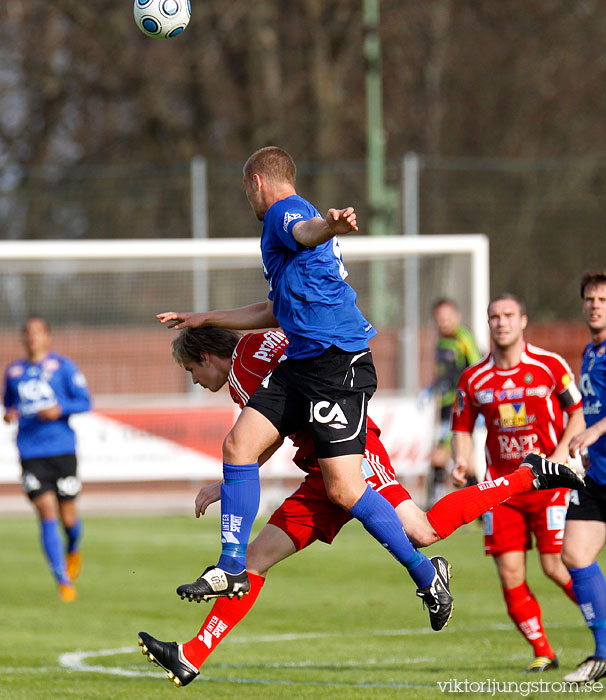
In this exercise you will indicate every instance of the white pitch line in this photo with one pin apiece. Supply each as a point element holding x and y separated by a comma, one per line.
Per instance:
<point>354,663</point>
<point>7,671</point>
<point>403,632</point>
<point>76,660</point>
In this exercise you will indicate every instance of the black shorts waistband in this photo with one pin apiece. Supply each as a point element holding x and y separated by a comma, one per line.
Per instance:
<point>331,351</point>
<point>335,350</point>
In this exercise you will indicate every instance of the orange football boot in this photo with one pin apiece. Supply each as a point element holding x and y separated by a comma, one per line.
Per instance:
<point>67,592</point>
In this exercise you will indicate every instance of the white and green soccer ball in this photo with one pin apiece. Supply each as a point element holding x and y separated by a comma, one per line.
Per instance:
<point>162,19</point>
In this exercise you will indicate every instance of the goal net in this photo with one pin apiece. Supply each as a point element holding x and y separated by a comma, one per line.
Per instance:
<point>149,423</point>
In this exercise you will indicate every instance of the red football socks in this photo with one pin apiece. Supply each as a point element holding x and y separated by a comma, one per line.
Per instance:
<point>525,612</point>
<point>465,505</point>
<point>569,592</point>
<point>223,617</point>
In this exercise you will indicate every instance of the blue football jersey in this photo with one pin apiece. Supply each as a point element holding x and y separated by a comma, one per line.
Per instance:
<point>593,388</point>
<point>311,301</point>
<point>32,387</point>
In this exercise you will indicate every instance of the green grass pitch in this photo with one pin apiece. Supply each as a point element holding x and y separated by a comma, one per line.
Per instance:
<point>332,622</point>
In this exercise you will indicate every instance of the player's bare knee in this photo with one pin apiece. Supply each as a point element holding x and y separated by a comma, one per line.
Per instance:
<point>342,497</point>
<point>511,576</point>
<point>567,561</point>
<point>554,568</point>
<point>335,494</point>
<point>418,530</point>
<point>570,559</point>
<point>424,537</point>
<point>553,572</point>
<point>233,451</point>
<point>416,524</point>
<point>46,505</point>
<point>68,522</point>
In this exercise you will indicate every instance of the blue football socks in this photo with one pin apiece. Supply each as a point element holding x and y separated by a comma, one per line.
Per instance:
<point>381,520</point>
<point>52,544</point>
<point>589,587</point>
<point>240,493</point>
<point>74,535</point>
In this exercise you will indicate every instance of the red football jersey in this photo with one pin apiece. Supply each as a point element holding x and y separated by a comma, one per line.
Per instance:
<point>523,407</point>
<point>255,356</point>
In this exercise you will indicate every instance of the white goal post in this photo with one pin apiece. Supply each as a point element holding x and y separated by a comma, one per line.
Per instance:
<point>101,297</point>
<point>353,247</point>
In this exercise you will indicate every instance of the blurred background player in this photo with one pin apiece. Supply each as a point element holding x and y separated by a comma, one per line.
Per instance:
<point>216,356</point>
<point>456,349</point>
<point>41,392</point>
<point>525,394</point>
<point>585,531</point>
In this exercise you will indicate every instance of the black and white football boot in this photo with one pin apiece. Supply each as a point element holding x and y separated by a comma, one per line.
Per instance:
<point>215,583</point>
<point>436,597</point>
<point>552,475</point>
<point>588,671</point>
<point>168,655</point>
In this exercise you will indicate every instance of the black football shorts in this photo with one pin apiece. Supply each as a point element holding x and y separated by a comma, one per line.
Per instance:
<point>58,474</point>
<point>588,504</point>
<point>327,394</point>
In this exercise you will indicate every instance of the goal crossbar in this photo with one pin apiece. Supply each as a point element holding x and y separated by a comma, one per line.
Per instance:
<point>353,248</point>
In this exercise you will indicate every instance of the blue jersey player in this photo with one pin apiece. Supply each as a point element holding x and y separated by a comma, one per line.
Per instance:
<point>324,384</point>
<point>585,532</point>
<point>41,392</point>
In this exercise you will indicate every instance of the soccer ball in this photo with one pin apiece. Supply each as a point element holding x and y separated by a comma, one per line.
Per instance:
<point>162,18</point>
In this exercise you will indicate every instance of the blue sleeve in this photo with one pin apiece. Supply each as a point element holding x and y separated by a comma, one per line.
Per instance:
<point>77,396</point>
<point>286,216</point>
<point>9,394</point>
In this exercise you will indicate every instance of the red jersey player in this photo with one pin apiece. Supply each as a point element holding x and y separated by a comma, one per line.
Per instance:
<point>530,403</point>
<point>215,356</point>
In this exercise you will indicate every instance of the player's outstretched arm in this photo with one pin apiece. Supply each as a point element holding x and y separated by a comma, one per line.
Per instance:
<point>342,220</point>
<point>245,318</point>
<point>182,319</point>
<point>316,231</point>
<point>583,440</point>
<point>207,495</point>
<point>575,424</point>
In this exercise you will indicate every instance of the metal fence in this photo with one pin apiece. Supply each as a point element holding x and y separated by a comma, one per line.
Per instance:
<point>545,218</point>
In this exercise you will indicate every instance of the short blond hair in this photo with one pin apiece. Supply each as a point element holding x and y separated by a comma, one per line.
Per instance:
<point>272,162</point>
